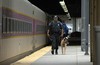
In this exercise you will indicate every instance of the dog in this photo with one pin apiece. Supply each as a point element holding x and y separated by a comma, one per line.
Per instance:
<point>64,43</point>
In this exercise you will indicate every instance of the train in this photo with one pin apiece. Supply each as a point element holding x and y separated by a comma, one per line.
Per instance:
<point>22,29</point>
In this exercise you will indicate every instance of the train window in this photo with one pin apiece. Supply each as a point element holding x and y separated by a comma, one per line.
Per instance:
<point>3,23</point>
<point>18,26</point>
<point>15,25</point>
<point>22,27</point>
<point>24,24</point>
<point>10,25</point>
<point>7,25</point>
<point>30,27</point>
<point>27,29</point>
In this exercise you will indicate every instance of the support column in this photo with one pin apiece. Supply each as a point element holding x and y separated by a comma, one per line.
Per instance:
<point>82,27</point>
<point>86,26</point>
<point>85,20</point>
<point>97,33</point>
<point>97,39</point>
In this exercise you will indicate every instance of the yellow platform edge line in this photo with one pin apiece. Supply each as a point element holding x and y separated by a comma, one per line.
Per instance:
<point>28,60</point>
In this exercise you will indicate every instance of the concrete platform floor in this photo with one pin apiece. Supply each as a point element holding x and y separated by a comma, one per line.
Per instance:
<point>73,56</point>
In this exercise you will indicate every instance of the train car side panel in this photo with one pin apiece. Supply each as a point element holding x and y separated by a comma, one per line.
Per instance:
<point>28,26</point>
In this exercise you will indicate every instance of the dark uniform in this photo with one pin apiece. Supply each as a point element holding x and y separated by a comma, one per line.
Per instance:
<point>55,32</point>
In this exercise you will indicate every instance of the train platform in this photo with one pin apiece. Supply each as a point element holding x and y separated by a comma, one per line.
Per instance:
<point>73,56</point>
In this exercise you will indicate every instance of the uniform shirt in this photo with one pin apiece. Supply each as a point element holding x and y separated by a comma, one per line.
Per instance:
<point>55,27</point>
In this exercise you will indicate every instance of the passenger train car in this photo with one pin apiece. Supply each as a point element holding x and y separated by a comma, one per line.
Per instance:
<point>22,29</point>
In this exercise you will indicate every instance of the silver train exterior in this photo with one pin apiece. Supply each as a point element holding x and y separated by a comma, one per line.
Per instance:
<point>22,28</point>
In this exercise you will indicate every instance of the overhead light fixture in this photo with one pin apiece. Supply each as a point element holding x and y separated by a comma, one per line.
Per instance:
<point>62,3</point>
<point>68,15</point>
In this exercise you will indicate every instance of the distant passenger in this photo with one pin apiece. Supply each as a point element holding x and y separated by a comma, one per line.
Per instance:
<point>54,32</point>
<point>65,28</point>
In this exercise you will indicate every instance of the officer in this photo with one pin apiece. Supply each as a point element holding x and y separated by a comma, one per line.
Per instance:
<point>54,32</point>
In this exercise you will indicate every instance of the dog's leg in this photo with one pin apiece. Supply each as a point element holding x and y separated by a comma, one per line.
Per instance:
<point>65,49</point>
<point>62,49</point>
<point>62,46</point>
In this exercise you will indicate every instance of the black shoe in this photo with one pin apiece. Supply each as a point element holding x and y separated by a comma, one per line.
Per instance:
<point>52,52</point>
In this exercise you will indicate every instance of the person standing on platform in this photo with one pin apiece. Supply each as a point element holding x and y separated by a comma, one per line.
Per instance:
<point>54,32</point>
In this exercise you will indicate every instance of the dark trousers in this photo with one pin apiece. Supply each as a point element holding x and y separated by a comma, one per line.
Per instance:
<point>55,41</point>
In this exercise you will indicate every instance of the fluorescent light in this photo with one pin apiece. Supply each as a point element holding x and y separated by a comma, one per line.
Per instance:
<point>62,3</point>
